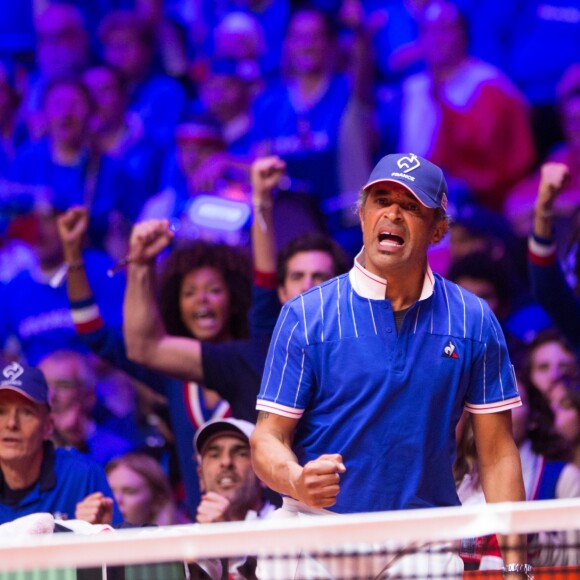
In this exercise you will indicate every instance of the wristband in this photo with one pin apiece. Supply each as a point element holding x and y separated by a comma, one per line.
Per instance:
<point>259,208</point>
<point>74,266</point>
<point>58,277</point>
<point>259,205</point>
<point>526,569</point>
<point>545,214</point>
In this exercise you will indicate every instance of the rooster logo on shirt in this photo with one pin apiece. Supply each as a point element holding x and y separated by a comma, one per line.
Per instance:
<point>450,351</point>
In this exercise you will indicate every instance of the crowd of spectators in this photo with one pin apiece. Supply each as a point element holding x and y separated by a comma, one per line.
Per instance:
<point>121,111</point>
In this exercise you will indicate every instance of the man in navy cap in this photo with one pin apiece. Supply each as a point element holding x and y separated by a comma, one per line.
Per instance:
<point>35,477</point>
<point>368,374</point>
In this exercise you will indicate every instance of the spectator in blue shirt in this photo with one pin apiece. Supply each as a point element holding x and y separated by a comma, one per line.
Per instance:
<point>62,49</point>
<point>34,306</point>
<point>66,165</point>
<point>72,380</point>
<point>550,286</point>
<point>119,134</point>
<point>128,44</point>
<point>34,477</point>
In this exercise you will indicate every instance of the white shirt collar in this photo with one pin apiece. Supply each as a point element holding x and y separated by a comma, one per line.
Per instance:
<point>371,286</point>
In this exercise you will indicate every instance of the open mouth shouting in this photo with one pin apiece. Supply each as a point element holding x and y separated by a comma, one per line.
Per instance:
<point>227,480</point>
<point>205,323</point>
<point>390,240</point>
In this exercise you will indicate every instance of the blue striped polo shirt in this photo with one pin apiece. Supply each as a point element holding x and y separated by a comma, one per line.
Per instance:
<point>387,401</point>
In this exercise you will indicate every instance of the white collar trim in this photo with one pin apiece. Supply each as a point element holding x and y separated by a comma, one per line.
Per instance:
<point>371,286</point>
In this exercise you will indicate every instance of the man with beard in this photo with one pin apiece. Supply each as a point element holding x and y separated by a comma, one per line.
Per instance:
<point>231,491</point>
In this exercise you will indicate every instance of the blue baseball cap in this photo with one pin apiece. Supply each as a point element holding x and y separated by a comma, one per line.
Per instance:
<point>423,179</point>
<point>200,128</point>
<point>28,381</point>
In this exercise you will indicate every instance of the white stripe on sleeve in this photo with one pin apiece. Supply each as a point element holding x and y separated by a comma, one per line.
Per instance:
<point>321,315</point>
<point>484,372</point>
<point>304,317</point>
<point>482,316</point>
<point>338,308</point>
<point>285,361</point>
<point>272,350</point>
<point>498,356</point>
<point>300,378</point>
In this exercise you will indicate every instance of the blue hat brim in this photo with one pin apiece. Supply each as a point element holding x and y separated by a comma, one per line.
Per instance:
<point>420,195</point>
<point>23,393</point>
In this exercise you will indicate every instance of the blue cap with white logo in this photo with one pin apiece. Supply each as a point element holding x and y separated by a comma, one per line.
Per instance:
<point>28,381</point>
<point>423,179</point>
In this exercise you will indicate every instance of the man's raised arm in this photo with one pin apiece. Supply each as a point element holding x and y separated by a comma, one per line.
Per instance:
<point>145,336</point>
<point>265,175</point>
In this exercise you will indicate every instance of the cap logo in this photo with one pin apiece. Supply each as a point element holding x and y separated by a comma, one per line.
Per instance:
<point>12,371</point>
<point>409,163</point>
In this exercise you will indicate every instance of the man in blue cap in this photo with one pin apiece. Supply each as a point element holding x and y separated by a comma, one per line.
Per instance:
<point>368,374</point>
<point>34,476</point>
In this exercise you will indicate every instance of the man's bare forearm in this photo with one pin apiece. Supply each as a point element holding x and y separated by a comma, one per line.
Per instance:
<point>272,457</point>
<point>502,482</point>
<point>317,483</point>
<point>501,473</point>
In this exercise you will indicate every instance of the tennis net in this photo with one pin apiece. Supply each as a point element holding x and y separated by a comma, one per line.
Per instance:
<point>407,544</point>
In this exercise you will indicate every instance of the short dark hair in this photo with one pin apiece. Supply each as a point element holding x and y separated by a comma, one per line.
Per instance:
<point>311,242</point>
<point>331,23</point>
<point>113,71</point>
<point>235,266</point>
<point>127,20</point>
<point>481,266</point>
<point>67,80</point>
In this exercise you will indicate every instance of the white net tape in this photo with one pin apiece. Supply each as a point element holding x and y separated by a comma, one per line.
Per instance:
<point>284,536</point>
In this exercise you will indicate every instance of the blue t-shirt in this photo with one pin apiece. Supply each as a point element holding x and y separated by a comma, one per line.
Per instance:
<point>160,102</point>
<point>533,41</point>
<point>387,401</point>
<point>66,478</point>
<point>101,183</point>
<point>38,315</point>
<point>306,139</point>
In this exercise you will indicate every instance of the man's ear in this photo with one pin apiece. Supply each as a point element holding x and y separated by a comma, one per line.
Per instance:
<point>282,294</point>
<point>440,230</point>
<point>48,427</point>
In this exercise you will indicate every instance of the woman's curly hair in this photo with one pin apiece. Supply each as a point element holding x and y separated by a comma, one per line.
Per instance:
<point>233,263</point>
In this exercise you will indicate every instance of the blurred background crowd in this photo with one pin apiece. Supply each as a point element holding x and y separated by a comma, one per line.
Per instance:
<point>138,109</point>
